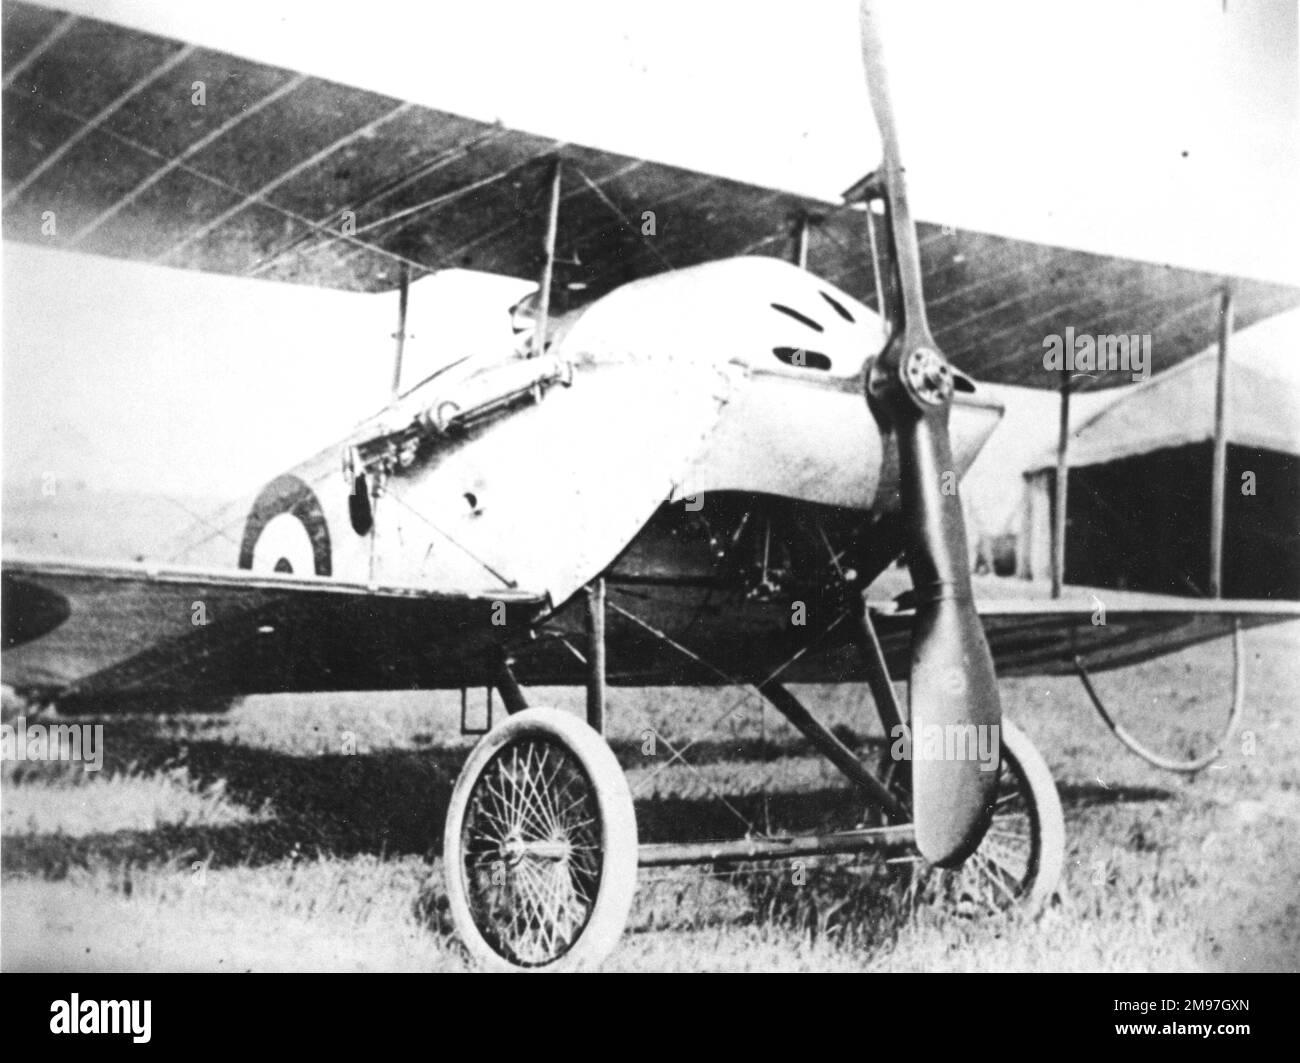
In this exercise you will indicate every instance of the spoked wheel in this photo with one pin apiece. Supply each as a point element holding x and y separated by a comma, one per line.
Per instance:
<point>1019,861</point>
<point>540,847</point>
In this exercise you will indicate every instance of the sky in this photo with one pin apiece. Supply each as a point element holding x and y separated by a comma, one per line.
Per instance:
<point>146,378</point>
<point>1159,129</point>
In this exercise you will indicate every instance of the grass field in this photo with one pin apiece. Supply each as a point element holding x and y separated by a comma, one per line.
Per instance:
<point>253,841</point>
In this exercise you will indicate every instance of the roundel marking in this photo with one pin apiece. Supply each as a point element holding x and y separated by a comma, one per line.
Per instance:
<point>286,531</point>
<point>284,546</point>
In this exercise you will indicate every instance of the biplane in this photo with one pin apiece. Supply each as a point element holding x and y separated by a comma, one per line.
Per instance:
<point>699,468</point>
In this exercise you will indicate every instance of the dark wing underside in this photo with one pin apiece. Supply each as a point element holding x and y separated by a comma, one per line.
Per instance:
<point>661,634</point>
<point>1039,639</point>
<point>1032,633</point>
<point>100,129</point>
<point>102,632</point>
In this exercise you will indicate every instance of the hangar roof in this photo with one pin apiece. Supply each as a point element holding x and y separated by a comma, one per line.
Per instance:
<point>1176,407</point>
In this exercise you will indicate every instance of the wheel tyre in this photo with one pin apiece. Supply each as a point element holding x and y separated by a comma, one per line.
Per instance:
<point>1044,810</point>
<point>969,888</point>
<point>617,828</point>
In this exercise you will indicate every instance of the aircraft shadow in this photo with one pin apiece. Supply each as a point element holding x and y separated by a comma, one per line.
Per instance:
<point>393,802</point>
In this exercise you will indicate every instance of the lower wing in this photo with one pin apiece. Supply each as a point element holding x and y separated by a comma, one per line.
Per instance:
<point>76,631</point>
<point>1031,633</point>
<point>86,631</point>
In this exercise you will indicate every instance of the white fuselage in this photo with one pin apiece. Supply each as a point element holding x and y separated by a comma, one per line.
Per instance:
<point>740,375</point>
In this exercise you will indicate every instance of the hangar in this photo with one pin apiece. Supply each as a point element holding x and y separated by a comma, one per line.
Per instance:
<point>1139,499</point>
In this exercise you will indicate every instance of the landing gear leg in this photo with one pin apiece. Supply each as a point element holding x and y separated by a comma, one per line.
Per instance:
<point>540,847</point>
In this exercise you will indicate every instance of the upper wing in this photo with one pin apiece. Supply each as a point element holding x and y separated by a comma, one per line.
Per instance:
<point>94,631</point>
<point>100,129</point>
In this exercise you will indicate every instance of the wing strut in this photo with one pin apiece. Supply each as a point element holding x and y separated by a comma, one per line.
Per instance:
<point>802,226</point>
<point>1220,460</point>
<point>548,264</point>
<point>404,288</point>
<point>1061,488</point>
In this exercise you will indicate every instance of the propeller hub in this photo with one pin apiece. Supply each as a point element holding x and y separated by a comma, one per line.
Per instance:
<point>927,376</point>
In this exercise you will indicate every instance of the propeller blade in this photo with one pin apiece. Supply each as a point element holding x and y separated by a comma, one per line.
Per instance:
<point>873,59</point>
<point>954,708</point>
<point>953,704</point>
